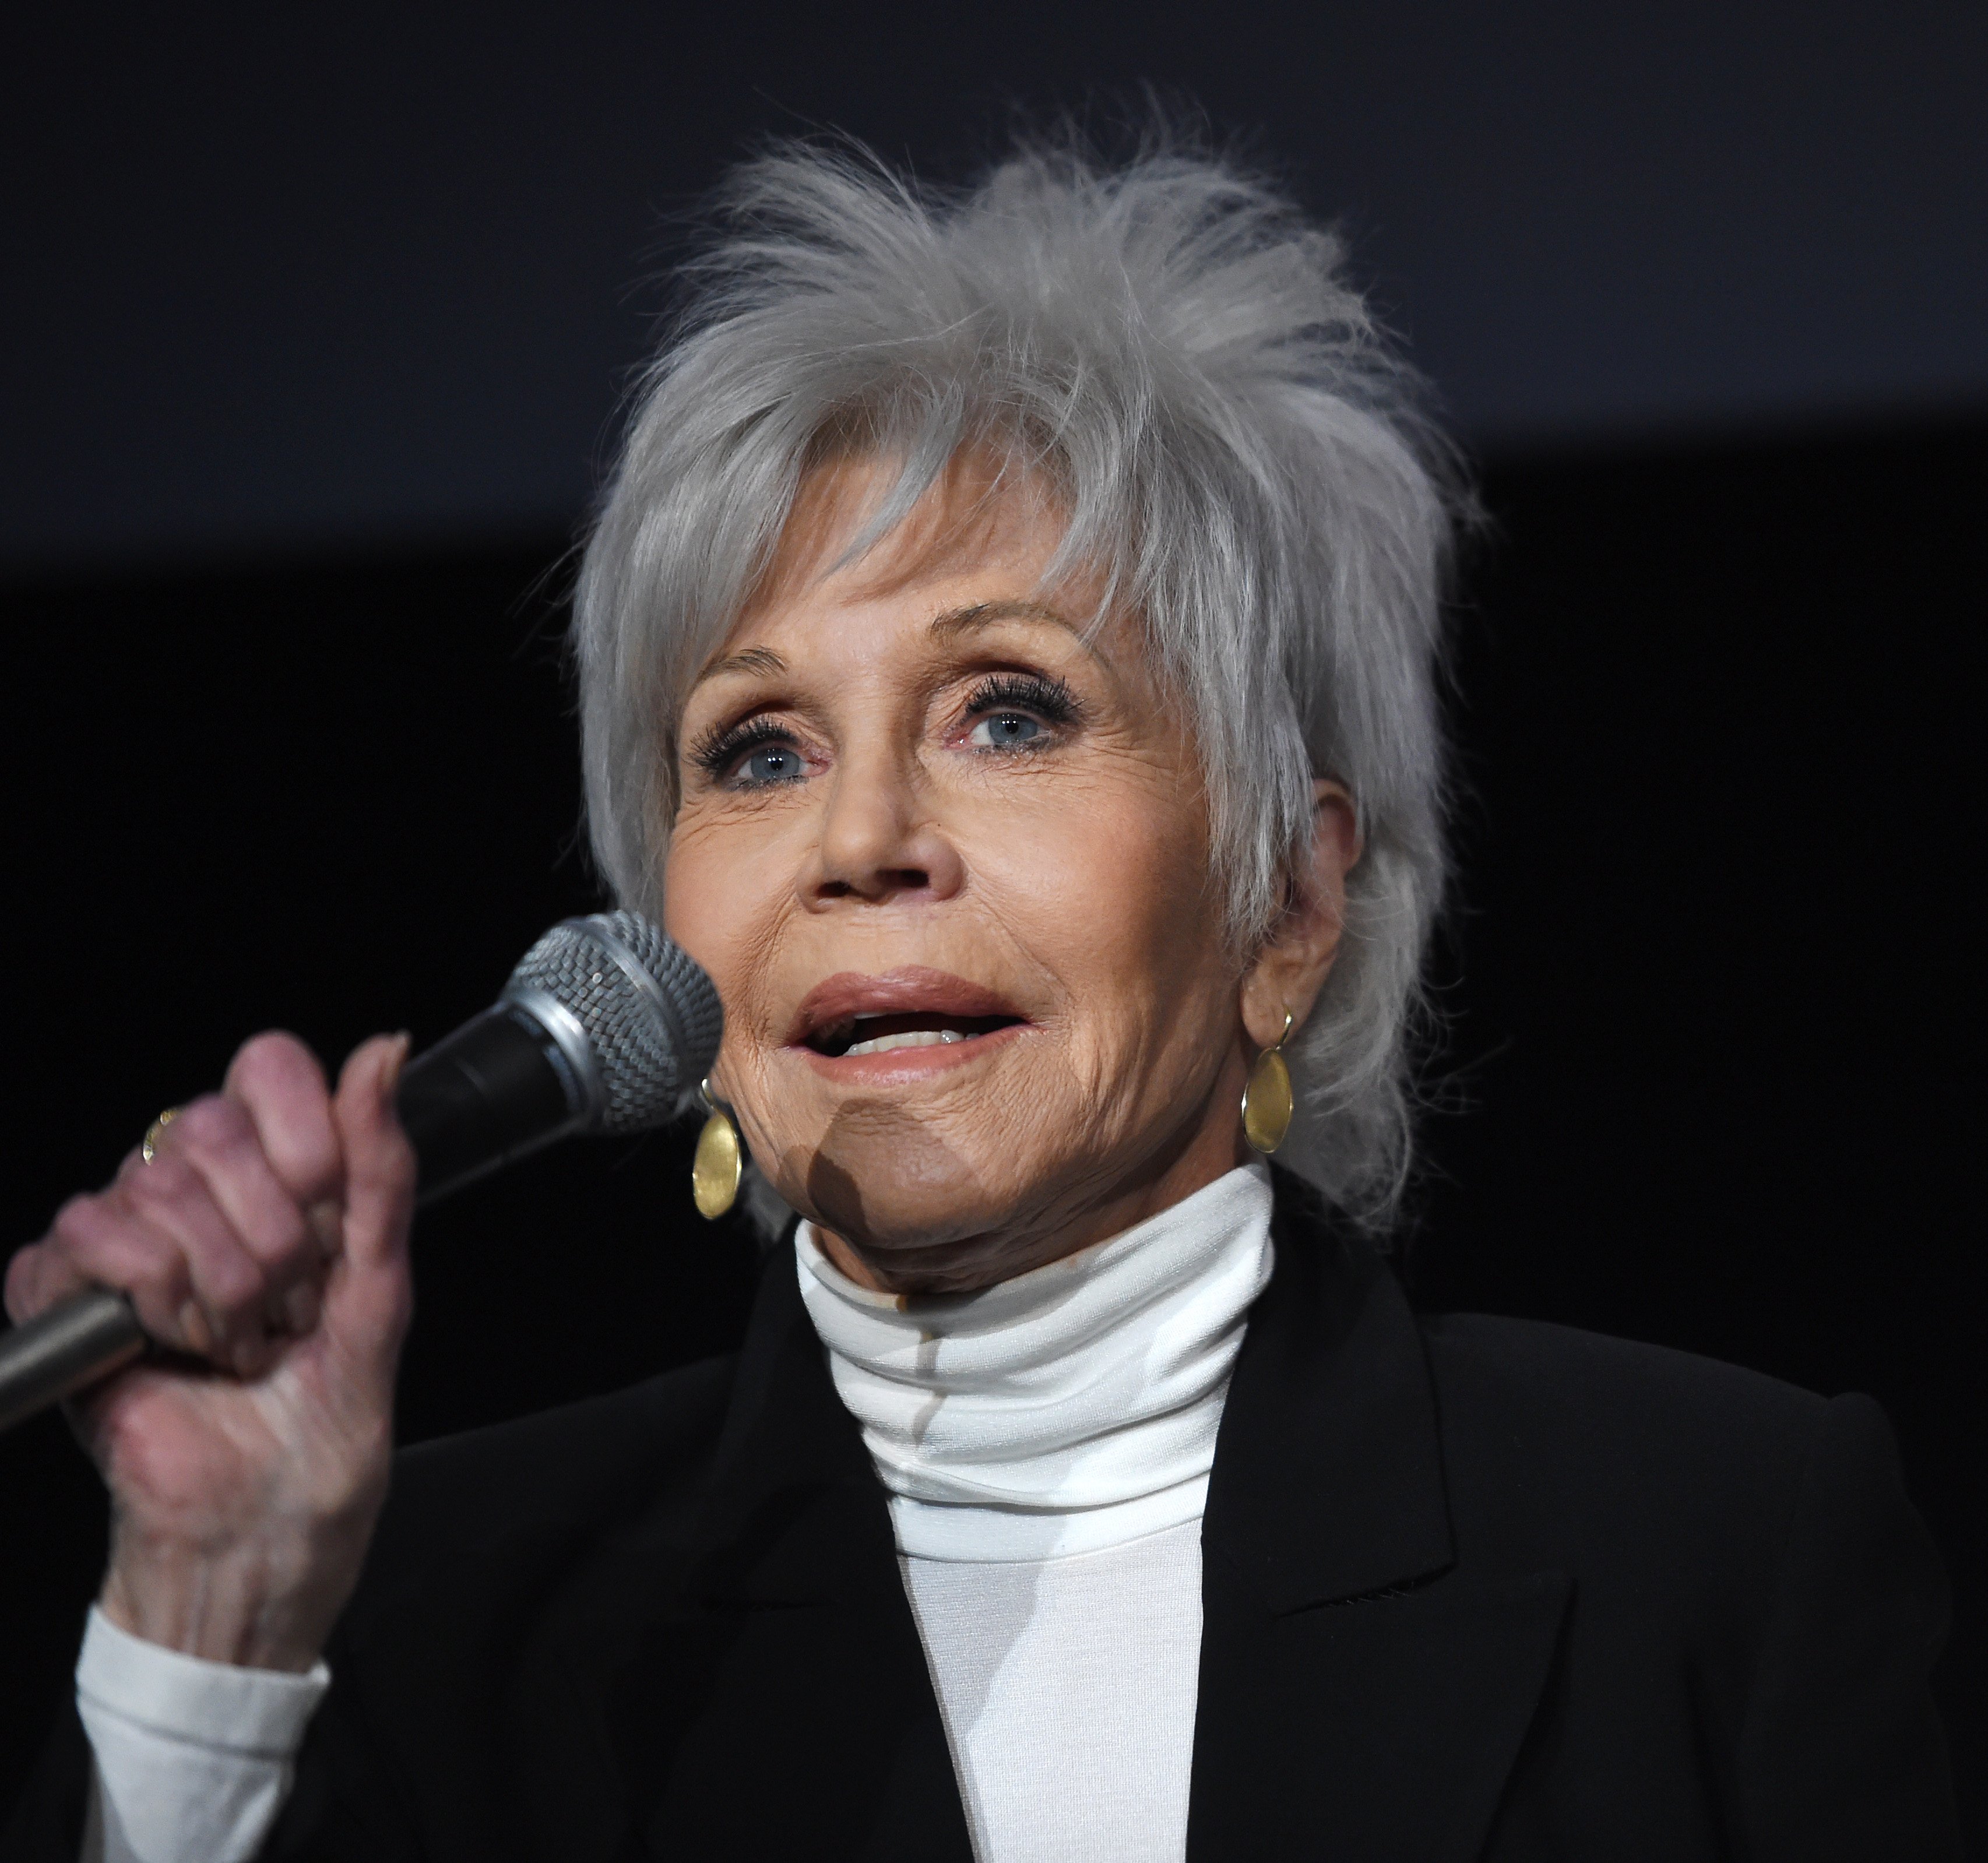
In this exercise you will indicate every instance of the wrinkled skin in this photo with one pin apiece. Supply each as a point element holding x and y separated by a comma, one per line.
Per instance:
<point>267,1242</point>
<point>1067,874</point>
<point>918,775</point>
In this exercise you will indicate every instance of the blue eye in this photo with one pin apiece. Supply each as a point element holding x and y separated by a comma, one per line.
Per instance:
<point>771,763</point>
<point>1021,712</point>
<point>1005,729</point>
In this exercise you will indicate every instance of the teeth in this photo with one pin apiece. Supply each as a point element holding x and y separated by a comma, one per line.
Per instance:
<point>911,1038</point>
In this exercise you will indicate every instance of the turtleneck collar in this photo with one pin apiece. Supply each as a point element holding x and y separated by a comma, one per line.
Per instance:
<point>1069,1409</point>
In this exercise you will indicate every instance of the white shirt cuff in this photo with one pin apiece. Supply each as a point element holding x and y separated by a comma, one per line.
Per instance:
<point>193,1758</point>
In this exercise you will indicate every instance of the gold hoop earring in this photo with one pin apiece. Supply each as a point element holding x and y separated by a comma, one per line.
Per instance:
<point>1267,1104</point>
<point>720,1162</point>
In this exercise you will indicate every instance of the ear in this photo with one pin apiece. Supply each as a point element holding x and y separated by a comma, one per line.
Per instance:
<point>1291,966</point>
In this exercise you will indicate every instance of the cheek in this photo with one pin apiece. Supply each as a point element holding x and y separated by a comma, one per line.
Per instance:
<point>1110,891</point>
<point>691,914</point>
<point>718,901</point>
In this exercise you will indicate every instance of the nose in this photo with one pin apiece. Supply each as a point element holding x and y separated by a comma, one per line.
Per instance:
<point>880,842</point>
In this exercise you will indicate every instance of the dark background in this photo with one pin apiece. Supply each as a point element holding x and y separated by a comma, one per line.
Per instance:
<point>312,341</point>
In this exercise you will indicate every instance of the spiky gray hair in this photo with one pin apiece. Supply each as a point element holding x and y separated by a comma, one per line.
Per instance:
<point>1244,460</point>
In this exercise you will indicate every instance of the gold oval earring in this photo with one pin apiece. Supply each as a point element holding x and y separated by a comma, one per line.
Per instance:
<point>720,1162</point>
<point>1267,1104</point>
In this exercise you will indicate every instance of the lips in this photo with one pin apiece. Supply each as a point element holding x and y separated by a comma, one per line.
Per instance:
<point>855,1017</point>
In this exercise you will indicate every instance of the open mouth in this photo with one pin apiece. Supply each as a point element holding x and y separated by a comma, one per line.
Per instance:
<point>880,1034</point>
<point>849,1017</point>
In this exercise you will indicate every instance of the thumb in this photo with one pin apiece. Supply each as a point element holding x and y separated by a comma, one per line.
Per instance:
<point>367,1297</point>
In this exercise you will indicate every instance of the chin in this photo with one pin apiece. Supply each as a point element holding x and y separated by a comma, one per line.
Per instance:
<point>853,1159</point>
<point>907,1196</point>
<point>874,1203</point>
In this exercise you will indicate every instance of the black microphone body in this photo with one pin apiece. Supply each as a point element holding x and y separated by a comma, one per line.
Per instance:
<point>601,1029</point>
<point>496,1090</point>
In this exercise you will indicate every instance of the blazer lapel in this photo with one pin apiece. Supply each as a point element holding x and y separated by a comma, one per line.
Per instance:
<point>779,1704</point>
<point>1360,1693</point>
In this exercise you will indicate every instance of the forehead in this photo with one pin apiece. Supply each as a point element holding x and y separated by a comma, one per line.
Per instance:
<point>969,561</point>
<point>978,534</point>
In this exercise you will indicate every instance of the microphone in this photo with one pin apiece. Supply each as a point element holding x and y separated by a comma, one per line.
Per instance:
<point>604,1027</point>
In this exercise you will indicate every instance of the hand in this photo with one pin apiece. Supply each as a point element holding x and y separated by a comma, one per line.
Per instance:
<point>266,1244</point>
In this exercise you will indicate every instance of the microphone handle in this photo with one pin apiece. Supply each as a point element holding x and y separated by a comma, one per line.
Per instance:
<point>500,1086</point>
<point>77,1341</point>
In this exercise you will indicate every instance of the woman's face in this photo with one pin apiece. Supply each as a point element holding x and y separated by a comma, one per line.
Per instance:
<point>947,861</point>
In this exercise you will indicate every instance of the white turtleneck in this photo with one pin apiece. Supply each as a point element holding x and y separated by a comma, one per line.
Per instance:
<point>1046,1446</point>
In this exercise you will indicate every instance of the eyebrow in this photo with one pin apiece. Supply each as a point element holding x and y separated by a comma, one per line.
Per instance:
<point>953,621</point>
<point>751,660</point>
<point>985,614</point>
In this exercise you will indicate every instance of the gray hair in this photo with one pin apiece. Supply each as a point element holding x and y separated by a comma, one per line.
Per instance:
<point>1244,460</point>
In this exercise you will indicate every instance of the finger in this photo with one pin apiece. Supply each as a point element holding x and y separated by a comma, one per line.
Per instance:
<point>230,1182</point>
<point>241,1294</point>
<point>225,1277</point>
<point>278,1082</point>
<point>373,1293</point>
<point>38,1276</point>
<point>99,1241</point>
<point>379,1162</point>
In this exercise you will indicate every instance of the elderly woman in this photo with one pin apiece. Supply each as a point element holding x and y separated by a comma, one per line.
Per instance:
<point>1008,654</point>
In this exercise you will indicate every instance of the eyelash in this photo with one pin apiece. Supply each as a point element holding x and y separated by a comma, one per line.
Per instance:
<point>716,754</point>
<point>1048,699</point>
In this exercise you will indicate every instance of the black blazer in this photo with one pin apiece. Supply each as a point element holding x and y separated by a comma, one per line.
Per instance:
<point>1473,1588</point>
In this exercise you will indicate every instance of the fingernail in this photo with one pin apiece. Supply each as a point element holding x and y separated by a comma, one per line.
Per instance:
<point>300,1307</point>
<point>194,1329</point>
<point>390,1074</point>
<point>326,1221</point>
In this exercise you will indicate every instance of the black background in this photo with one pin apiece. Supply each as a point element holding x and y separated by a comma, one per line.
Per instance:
<point>1706,1079</point>
<point>282,276</point>
<point>287,739</point>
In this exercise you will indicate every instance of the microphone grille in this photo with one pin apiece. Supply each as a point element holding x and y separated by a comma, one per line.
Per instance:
<point>651,1016</point>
